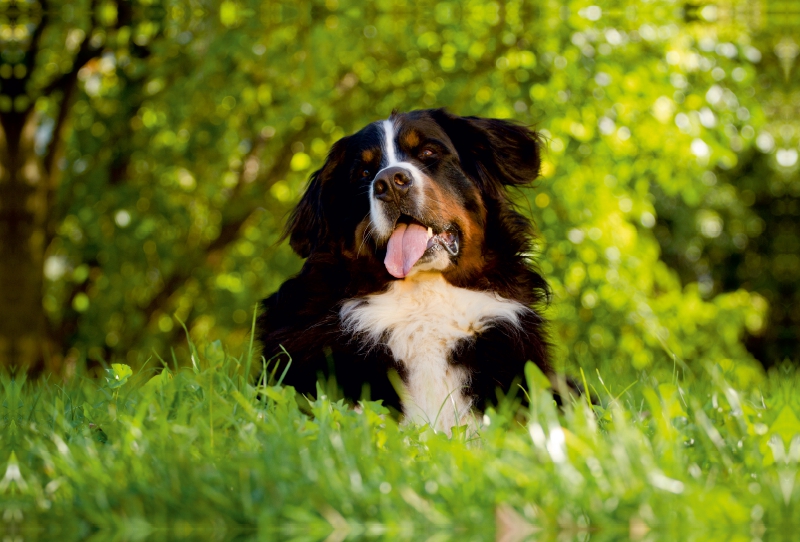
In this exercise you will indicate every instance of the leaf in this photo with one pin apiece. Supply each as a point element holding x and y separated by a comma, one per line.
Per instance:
<point>535,377</point>
<point>118,375</point>
<point>276,393</point>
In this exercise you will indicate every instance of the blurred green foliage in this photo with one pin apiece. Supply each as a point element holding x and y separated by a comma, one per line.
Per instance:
<point>194,127</point>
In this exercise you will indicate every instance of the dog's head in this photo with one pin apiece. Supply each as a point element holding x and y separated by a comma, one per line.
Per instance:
<point>424,190</point>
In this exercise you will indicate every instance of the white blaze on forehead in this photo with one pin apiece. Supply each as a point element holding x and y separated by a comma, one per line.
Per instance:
<point>389,150</point>
<point>382,225</point>
<point>391,158</point>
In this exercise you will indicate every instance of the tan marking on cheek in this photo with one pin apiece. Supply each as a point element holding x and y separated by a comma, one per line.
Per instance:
<point>367,156</point>
<point>436,199</point>
<point>471,261</point>
<point>411,139</point>
<point>472,242</point>
<point>442,204</point>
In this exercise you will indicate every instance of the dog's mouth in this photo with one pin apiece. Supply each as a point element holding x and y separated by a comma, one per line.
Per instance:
<point>411,239</point>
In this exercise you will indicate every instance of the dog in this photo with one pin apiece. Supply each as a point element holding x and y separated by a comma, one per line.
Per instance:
<point>418,286</point>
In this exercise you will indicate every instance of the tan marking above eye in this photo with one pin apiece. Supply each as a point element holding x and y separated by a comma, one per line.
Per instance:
<point>367,156</point>
<point>411,139</point>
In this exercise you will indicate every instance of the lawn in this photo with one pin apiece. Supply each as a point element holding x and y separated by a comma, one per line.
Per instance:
<point>200,452</point>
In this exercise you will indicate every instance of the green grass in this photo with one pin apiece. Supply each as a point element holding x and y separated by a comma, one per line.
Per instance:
<point>198,451</point>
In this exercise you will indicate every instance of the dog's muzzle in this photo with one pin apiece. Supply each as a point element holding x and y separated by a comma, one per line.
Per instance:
<point>392,184</point>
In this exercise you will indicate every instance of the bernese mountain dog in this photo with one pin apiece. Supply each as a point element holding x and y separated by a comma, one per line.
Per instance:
<point>418,287</point>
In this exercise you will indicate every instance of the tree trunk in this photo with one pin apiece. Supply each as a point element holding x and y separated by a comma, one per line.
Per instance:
<point>23,212</point>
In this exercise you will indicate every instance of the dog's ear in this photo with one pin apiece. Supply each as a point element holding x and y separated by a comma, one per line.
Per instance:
<point>307,227</point>
<point>494,150</point>
<point>514,150</point>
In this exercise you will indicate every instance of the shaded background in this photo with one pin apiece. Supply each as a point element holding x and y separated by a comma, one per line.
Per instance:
<point>150,153</point>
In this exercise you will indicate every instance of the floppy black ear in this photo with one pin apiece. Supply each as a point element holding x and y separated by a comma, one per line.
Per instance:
<point>495,149</point>
<point>307,227</point>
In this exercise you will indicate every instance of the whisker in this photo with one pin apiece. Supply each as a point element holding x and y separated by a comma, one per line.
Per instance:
<point>429,165</point>
<point>366,235</point>
<point>364,238</point>
<point>435,200</point>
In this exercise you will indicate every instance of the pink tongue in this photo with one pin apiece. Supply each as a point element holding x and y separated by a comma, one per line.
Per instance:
<point>406,245</point>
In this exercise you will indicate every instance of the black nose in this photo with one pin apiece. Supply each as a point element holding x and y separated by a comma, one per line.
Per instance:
<point>392,183</point>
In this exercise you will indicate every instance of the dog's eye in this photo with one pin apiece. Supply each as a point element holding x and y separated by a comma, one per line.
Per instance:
<point>365,173</point>
<point>427,153</point>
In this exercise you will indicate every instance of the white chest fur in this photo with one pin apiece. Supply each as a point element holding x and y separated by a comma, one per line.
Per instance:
<point>421,319</point>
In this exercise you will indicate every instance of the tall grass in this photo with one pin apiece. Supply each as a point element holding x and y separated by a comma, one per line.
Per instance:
<point>202,452</point>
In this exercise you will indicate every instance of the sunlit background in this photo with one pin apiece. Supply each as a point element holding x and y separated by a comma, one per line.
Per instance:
<point>151,152</point>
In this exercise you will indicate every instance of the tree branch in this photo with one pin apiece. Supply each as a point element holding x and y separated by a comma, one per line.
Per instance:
<point>14,87</point>
<point>85,53</point>
<point>67,83</point>
<point>36,38</point>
